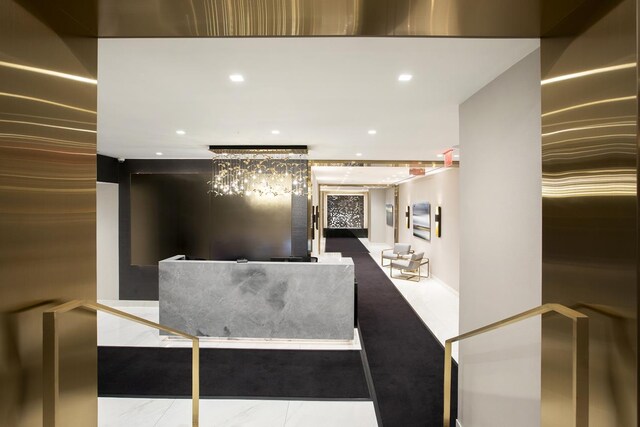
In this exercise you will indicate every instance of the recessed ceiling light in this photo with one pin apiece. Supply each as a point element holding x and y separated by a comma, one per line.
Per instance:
<point>372,132</point>
<point>457,156</point>
<point>236,78</point>
<point>275,132</point>
<point>404,77</point>
<point>181,132</point>
<point>359,154</point>
<point>158,153</point>
<point>440,155</point>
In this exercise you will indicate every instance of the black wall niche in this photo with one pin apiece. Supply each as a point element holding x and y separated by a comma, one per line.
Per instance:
<point>107,169</point>
<point>165,210</point>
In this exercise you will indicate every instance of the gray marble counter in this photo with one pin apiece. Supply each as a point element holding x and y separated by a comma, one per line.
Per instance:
<point>287,300</point>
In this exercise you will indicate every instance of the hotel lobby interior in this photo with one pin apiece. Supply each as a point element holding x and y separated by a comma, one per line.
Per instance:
<point>318,213</point>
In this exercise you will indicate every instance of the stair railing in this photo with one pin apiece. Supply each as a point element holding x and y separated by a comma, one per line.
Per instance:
<point>580,358</point>
<point>51,380</point>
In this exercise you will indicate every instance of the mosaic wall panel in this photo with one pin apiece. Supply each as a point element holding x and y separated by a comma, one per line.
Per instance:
<point>345,211</point>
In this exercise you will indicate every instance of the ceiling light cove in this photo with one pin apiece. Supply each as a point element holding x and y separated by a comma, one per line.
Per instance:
<point>181,132</point>
<point>405,77</point>
<point>372,132</point>
<point>236,78</point>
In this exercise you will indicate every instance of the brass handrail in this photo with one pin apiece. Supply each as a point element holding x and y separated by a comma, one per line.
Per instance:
<point>50,361</point>
<point>580,358</point>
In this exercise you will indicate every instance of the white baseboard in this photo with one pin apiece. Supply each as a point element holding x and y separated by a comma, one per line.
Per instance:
<point>446,286</point>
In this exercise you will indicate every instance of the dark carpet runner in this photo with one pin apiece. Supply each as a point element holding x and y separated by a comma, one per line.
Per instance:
<point>166,372</point>
<point>343,240</point>
<point>405,359</point>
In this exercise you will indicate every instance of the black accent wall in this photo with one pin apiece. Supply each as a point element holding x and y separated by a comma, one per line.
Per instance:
<point>107,169</point>
<point>174,201</point>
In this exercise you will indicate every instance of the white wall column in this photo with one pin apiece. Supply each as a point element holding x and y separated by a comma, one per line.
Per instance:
<point>500,248</point>
<point>107,240</point>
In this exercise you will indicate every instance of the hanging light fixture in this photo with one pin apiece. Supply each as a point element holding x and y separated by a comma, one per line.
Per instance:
<point>258,170</point>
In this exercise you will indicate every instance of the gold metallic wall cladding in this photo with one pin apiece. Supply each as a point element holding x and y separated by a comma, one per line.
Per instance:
<point>47,209</point>
<point>589,159</point>
<point>215,18</point>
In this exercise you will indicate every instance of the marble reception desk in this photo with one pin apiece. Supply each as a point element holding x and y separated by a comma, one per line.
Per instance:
<point>286,300</point>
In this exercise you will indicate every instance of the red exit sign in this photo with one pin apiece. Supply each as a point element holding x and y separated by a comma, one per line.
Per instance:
<point>448,158</point>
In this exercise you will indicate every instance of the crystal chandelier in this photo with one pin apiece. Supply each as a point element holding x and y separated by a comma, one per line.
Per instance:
<point>258,171</point>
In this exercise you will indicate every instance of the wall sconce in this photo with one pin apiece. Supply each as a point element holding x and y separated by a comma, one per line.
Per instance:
<point>313,217</point>
<point>407,214</point>
<point>313,222</point>
<point>438,219</point>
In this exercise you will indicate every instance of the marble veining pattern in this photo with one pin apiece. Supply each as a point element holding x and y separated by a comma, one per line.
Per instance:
<point>127,412</point>
<point>258,299</point>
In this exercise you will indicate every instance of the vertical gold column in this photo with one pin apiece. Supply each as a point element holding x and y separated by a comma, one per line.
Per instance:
<point>590,215</point>
<point>47,206</point>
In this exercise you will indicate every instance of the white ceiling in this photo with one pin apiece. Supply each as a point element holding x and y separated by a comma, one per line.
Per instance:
<point>322,92</point>
<point>344,175</point>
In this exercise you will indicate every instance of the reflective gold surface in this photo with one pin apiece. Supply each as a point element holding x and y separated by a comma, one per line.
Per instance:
<point>589,160</point>
<point>217,18</point>
<point>579,371</point>
<point>51,357</point>
<point>47,168</point>
<point>47,207</point>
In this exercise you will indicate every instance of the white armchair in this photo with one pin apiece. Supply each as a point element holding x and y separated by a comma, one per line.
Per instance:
<point>410,267</point>
<point>399,250</point>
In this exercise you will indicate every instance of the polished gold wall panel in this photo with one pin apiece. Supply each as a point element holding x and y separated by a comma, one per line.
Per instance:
<point>213,18</point>
<point>589,160</point>
<point>47,209</point>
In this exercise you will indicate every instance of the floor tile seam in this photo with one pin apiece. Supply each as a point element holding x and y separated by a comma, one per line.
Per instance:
<point>286,414</point>
<point>165,412</point>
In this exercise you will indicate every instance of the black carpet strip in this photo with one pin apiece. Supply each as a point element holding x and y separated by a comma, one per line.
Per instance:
<point>405,359</point>
<point>287,374</point>
<point>345,242</point>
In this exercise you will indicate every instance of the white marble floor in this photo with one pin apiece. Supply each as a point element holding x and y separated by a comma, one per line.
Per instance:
<point>126,412</point>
